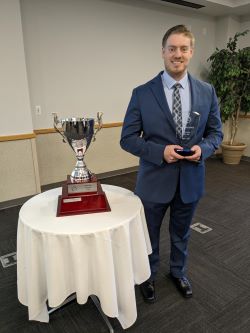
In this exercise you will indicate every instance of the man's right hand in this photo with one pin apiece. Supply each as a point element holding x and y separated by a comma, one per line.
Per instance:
<point>170,155</point>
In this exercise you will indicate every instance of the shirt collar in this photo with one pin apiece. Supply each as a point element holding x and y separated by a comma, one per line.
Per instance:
<point>170,82</point>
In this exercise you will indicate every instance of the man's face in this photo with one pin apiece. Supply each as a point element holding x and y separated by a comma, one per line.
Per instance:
<point>176,54</point>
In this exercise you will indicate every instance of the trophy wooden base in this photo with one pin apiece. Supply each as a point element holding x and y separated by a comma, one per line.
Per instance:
<point>82,198</point>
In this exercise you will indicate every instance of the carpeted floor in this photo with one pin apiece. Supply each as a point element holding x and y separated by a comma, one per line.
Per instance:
<point>219,268</point>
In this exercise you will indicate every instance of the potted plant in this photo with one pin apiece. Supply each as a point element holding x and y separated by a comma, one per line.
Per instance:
<point>230,75</point>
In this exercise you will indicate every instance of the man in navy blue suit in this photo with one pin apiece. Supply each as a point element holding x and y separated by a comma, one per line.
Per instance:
<point>172,124</point>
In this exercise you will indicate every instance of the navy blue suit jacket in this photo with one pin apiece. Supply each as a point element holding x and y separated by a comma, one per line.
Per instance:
<point>149,126</point>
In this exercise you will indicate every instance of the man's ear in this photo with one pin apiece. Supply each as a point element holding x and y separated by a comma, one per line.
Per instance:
<point>192,51</point>
<point>162,52</point>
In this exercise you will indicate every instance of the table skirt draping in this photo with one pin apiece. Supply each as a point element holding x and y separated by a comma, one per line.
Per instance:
<point>57,257</point>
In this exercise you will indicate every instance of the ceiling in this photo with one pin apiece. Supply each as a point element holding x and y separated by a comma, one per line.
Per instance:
<point>214,7</point>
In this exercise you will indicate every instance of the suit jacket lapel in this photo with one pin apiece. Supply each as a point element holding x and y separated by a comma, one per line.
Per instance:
<point>158,91</point>
<point>195,110</point>
<point>194,93</point>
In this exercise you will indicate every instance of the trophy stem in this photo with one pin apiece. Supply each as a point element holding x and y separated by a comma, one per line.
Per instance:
<point>80,173</point>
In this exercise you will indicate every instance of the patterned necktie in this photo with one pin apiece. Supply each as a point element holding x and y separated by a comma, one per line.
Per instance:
<point>177,112</point>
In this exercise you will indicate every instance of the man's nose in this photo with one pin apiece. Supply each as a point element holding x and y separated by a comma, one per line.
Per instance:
<point>178,52</point>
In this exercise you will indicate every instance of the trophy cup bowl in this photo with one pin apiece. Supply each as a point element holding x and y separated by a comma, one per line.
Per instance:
<point>79,133</point>
<point>82,192</point>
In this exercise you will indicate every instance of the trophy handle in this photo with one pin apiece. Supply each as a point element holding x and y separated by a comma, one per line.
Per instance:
<point>99,124</point>
<point>56,122</point>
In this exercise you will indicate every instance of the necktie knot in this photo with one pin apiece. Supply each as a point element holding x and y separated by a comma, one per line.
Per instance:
<point>177,86</point>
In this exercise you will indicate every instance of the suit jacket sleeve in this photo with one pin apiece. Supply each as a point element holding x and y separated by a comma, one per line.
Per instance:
<point>213,135</point>
<point>132,139</point>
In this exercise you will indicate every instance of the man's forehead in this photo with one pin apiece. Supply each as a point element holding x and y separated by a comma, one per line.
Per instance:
<point>178,39</point>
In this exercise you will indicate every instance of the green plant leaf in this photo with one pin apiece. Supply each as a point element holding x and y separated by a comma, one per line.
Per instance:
<point>230,75</point>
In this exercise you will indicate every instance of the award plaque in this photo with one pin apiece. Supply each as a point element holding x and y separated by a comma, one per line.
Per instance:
<point>81,193</point>
<point>190,129</point>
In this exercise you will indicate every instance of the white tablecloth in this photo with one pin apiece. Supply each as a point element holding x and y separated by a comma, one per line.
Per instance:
<point>102,254</point>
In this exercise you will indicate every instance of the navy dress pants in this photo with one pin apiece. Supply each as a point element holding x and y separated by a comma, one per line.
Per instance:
<point>181,215</point>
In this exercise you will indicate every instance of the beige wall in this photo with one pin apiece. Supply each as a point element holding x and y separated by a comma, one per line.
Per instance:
<point>14,94</point>
<point>244,25</point>
<point>86,56</point>
<point>18,169</point>
<point>18,161</point>
<point>244,134</point>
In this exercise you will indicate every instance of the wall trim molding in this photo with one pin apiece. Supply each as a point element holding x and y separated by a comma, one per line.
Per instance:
<point>36,132</point>
<point>17,137</point>
<point>52,130</point>
<point>44,131</point>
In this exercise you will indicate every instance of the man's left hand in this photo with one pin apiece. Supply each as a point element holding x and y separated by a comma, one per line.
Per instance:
<point>197,154</point>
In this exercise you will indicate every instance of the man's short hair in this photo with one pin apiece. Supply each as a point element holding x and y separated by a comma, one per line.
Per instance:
<point>178,29</point>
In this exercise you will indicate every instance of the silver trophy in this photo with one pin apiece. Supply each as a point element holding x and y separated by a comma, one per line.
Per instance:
<point>79,133</point>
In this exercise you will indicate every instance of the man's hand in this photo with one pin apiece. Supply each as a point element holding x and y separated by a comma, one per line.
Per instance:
<point>170,155</point>
<point>197,154</point>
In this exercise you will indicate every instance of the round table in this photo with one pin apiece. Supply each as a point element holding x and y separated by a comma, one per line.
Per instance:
<point>103,254</point>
